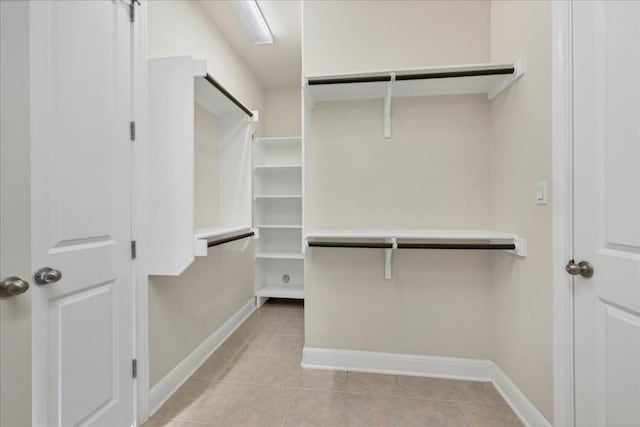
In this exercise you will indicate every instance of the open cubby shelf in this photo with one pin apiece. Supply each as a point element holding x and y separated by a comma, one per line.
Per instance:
<point>280,255</point>
<point>291,226</point>
<point>277,194</point>
<point>295,291</point>
<point>267,168</point>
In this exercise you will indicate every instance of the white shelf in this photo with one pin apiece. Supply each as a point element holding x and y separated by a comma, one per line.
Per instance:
<point>391,237</point>
<point>281,291</point>
<point>279,255</point>
<point>280,140</point>
<point>450,235</point>
<point>219,231</point>
<point>442,80</point>
<point>276,167</point>
<point>490,79</point>
<point>281,196</point>
<point>202,235</point>
<point>287,226</point>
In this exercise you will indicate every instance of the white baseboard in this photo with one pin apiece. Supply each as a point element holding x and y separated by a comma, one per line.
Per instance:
<point>183,370</point>
<point>528,413</point>
<point>396,364</point>
<point>426,366</point>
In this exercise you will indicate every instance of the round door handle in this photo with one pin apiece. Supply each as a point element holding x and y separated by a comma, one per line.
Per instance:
<point>583,268</point>
<point>12,286</point>
<point>47,275</point>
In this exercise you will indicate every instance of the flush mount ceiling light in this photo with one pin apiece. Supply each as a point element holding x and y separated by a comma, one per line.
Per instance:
<point>250,15</point>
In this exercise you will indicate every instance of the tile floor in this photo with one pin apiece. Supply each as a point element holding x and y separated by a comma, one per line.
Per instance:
<point>255,379</point>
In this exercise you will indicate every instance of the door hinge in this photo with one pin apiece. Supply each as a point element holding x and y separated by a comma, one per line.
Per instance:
<point>132,130</point>
<point>132,9</point>
<point>134,368</point>
<point>133,249</point>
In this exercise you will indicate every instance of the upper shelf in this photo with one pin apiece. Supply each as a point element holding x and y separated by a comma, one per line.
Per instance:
<point>448,80</point>
<point>213,97</point>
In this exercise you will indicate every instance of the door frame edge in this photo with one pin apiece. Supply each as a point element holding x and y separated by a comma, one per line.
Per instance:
<point>140,215</point>
<point>562,196</point>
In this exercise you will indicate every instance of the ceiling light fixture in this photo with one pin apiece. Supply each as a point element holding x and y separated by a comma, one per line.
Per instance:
<point>252,19</point>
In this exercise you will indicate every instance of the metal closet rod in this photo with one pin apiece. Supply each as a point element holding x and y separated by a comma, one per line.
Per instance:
<point>230,239</point>
<point>228,95</point>
<point>469,246</point>
<point>418,76</point>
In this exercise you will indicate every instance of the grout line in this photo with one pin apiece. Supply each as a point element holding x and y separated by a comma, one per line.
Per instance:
<point>464,414</point>
<point>293,395</point>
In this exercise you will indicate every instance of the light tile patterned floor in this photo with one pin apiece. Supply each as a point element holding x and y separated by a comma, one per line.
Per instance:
<point>255,379</point>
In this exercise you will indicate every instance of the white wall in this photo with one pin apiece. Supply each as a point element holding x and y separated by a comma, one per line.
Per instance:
<point>207,169</point>
<point>367,35</point>
<point>282,112</point>
<point>15,213</point>
<point>432,173</point>
<point>520,156</point>
<point>183,27</point>
<point>183,311</point>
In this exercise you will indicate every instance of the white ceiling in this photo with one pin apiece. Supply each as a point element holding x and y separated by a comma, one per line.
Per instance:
<point>275,65</point>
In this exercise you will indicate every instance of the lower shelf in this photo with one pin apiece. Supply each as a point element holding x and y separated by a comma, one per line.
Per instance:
<point>281,291</point>
<point>280,255</point>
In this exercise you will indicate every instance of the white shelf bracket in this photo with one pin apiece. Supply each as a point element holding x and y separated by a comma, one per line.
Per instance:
<point>387,107</point>
<point>520,250</point>
<point>388,253</point>
<point>519,66</point>
<point>521,247</point>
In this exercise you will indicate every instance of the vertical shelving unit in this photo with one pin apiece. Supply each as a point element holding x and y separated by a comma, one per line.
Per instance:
<point>277,198</point>
<point>199,165</point>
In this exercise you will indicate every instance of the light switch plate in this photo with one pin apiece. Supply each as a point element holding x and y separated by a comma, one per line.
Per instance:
<point>541,193</point>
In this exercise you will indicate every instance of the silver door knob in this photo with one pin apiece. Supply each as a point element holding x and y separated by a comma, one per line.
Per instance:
<point>583,268</point>
<point>47,275</point>
<point>12,286</point>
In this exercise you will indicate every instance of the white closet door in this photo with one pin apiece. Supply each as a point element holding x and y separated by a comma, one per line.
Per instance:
<point>81,209</point>
<point>607,212</point>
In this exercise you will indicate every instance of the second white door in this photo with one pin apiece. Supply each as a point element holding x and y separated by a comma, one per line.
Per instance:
<point>607,211</point>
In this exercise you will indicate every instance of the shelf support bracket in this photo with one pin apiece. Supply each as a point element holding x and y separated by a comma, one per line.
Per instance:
<point>388,255</point>
<point>519,66</point>
<point>521,247</point>
<point>387,107</point>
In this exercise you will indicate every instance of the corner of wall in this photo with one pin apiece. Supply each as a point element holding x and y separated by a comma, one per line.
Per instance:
<point>521,156</point>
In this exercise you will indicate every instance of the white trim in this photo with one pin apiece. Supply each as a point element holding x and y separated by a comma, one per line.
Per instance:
<point>178,375</point>
<point>140,215</point>
<point>523,408</point>
<point>562,181</point>
<point>396,364</point>
<point>426,366</point>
